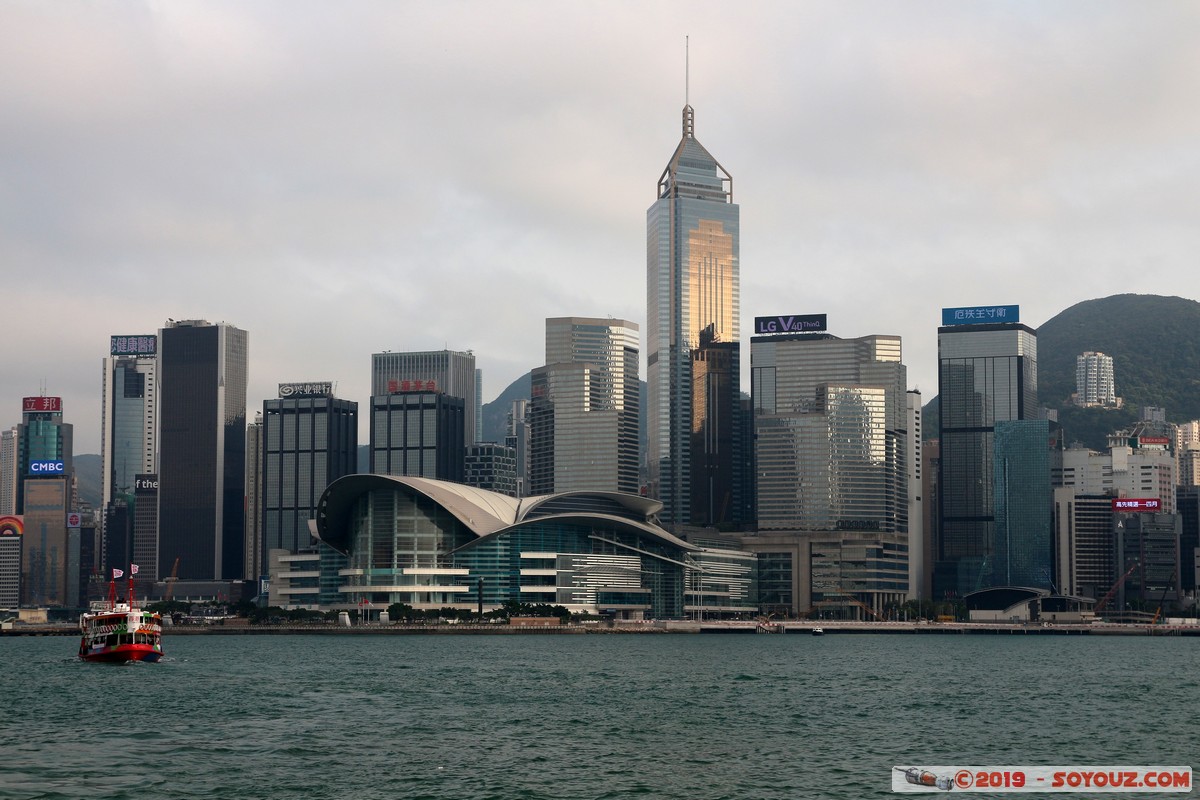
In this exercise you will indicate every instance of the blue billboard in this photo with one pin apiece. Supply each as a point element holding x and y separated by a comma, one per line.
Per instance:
<point>980,315</point>
<point>46,468</point>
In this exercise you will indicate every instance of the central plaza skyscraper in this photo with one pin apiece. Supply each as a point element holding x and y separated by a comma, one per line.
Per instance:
<point>692,339</point>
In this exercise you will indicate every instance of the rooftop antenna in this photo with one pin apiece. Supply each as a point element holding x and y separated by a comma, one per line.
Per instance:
<point>689,117</point>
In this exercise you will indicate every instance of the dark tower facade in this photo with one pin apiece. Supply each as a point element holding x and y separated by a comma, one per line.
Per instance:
<point>987,374</point>
<point>202,457</point>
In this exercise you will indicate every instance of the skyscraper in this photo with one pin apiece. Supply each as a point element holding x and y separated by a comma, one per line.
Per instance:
<point>202,449</point>
<point>831,432</point>
<point>310,440</point>
<point>692,338</point>
<point>128,440</point>
<point>44,474</point>
<point>584,408</point>
<point>987,373</point>
<point>8,471</point>
<point>444,371</point>
<point>418,432</point>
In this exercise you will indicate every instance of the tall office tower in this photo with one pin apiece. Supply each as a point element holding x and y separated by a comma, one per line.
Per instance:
<point>584,408</point>
<point>987,373</point>
<point>128,445</point>
<point>1151,542</point>
<point>931,459</point>
<point>831,452</point>
<point>202,373</point>
<point>255,565</point>
<point>444,371</point>
<point>918,565</point>
<point>831,432</point>
<point>44,473</point>
<point>145,527</point>
<point>1094,384</point>
<point>310,440</point>
<point>128,406</point>
<point>1026,456</point>
<point>517,438</point>
<point>493,467</point>
<point>44,449</point>
<point>11,529</point>
<point>418,433</point>
<point>1085,543</point>
<point>692,338</point>
<point>8,471</point>
<point>1187,505</point>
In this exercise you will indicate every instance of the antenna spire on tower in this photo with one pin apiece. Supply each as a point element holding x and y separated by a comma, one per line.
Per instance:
<point>689,117</point>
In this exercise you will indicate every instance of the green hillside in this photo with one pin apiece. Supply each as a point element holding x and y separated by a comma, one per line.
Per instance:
<point>1154,342</point>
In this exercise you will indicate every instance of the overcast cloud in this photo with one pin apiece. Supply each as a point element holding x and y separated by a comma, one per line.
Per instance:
<point>341,179</point>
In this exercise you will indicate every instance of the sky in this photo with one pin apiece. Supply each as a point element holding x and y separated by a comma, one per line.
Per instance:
<point>344,178</point>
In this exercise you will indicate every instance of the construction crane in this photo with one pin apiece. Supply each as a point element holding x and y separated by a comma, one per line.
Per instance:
<point>1112,592</point>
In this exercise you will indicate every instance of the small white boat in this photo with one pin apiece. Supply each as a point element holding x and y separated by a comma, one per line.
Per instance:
<point>818,631</point>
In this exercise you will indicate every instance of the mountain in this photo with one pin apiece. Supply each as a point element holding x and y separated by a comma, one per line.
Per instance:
<point>495,413</point>
<point>88,477</point>
<point>1154,342</point>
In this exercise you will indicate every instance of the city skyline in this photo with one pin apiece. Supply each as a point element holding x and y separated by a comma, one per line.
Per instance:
<point>401,177</point>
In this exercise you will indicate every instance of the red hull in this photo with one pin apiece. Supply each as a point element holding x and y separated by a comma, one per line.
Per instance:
<point>122,653</point>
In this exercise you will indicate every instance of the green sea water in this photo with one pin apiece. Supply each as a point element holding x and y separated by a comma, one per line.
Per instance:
<point>595,716</point>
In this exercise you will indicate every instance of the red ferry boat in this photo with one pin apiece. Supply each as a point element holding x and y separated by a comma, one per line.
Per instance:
<point>118,632</point>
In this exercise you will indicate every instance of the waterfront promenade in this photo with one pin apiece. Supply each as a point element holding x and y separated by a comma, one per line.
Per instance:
<point>805,627</point>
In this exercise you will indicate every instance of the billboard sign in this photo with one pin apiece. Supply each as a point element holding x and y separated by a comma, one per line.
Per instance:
<point>795,323</point>
<point>42,404</point>
<point>310,389</point>
<point>133,345</point>
<point>145,484</point>
<point>1154,440</point>
<point>398,387</point>
<point>12,525</point>
<point>74,520</point>
<point>980,315</point>
<point>40,468</point>
<point>1136,504</point>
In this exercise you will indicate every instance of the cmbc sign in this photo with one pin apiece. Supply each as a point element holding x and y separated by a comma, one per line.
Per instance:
<point>46,468</point>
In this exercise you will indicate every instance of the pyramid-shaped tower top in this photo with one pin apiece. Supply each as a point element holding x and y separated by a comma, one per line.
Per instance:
<point>692,171</point>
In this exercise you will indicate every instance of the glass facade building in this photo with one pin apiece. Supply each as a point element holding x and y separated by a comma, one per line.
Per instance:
<point>692,338</point>
<point>309,441</point>
<point>987,373</point>
<point>128,442</point>
<point>444,371</point>
<point>1027,454</point>
<point>583,413</point>
<point>433,544</point>
<point>418,433</point>
<point>831,443</point>
<point>202,449</point>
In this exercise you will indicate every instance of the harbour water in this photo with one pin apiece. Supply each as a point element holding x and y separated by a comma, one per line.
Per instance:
<point>499,717</point>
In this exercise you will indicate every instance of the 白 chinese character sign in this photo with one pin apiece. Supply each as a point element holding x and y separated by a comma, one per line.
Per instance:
<point>980,315</point>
